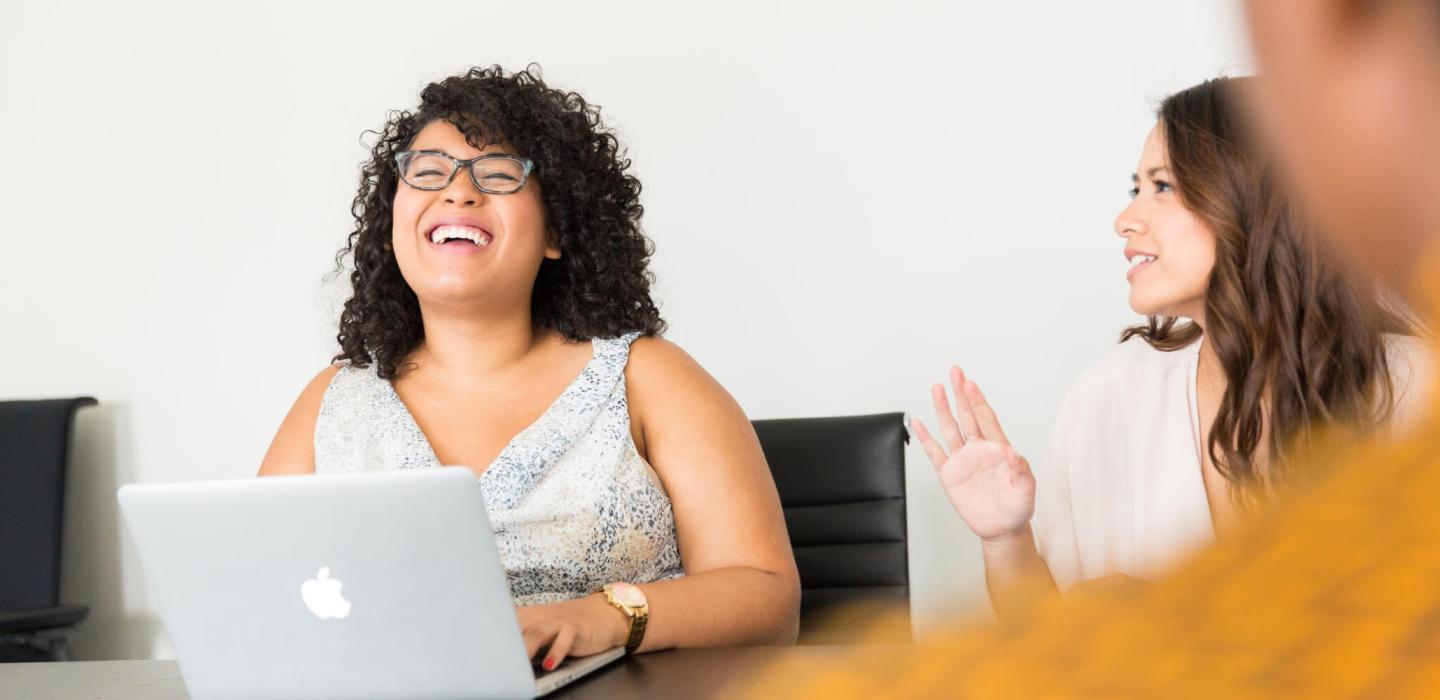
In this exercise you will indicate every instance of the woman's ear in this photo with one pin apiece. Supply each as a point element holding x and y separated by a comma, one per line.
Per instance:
<point>552,250</point>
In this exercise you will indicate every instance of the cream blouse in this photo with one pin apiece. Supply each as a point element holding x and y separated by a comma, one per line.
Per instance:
<point>1121,491</point>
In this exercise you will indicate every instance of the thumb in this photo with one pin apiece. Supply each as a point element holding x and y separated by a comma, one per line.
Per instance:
<point>1020,474</point>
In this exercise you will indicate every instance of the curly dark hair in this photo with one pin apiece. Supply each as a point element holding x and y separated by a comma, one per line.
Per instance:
<point>600,286</point>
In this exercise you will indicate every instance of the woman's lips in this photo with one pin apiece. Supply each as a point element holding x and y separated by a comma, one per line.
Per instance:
<point>1135,269</point>
<point>459,238</point>
<point>1138,260</point>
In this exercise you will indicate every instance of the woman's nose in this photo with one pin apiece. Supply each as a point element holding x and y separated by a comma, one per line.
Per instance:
<point>1129,222</point>
<point>461,190</point>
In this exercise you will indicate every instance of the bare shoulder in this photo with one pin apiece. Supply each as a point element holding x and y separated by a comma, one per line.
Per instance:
<point>655,360</point>
<point>314,391</point>
<point>322,379</point>
<point>293,449</point>
<point>671,394</point>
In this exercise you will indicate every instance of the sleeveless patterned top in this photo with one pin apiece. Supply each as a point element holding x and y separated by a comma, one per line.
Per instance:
<point>573,504</point>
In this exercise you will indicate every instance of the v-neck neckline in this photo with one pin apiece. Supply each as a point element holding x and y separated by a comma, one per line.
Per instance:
<point>1192,391</point>
<point>511,445</point>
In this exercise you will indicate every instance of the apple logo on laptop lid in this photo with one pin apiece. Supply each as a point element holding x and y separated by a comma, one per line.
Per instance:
<point>322,595</point>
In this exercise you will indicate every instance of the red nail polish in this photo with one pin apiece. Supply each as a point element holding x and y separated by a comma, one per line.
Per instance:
<point>549,664</point>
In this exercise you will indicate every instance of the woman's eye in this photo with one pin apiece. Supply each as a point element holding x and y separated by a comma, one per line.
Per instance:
<point>428,173</point>
<point>505,177</point>
<point>1162,186</point>
<point>1134,192</point>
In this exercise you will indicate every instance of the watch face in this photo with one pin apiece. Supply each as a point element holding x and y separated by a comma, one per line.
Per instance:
<point>628,594</point>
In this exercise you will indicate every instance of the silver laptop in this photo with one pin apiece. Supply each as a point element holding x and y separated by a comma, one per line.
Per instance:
<point>370,585</point>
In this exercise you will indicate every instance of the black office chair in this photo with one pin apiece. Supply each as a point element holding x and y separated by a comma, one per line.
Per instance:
<point>34,446</point>
<point>842,486</point>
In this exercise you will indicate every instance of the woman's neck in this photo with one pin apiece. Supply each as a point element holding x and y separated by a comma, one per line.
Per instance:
<point>1210,375</point>
<point>473,345</point>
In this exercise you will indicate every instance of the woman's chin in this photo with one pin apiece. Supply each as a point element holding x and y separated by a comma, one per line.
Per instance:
<point>1142,306</point>
<point>456,296</point>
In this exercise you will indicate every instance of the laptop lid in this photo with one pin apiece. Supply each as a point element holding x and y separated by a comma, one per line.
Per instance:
<point>366,585</point>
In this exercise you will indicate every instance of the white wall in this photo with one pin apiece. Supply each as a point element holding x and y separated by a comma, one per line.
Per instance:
<point>177,178</point>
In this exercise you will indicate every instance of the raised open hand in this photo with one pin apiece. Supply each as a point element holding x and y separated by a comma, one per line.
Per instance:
<point>987,481</point>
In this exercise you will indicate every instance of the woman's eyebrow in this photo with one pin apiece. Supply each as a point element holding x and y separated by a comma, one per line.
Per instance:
<point>1151,173</point>
<point>452,155</point>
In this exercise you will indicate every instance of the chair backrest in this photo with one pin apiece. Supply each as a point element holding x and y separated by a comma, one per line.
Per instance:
<point>842,485</point>
<point>34,446</point>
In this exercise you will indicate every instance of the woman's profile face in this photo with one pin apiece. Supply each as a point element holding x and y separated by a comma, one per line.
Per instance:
<point>1170,251</point>
<point>491,244</point>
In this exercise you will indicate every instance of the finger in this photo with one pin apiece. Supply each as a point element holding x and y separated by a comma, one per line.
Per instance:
<point>949,429</point>
<point>536,639</point>
<point>560,648</point>
<point>985,418</point>
<point>964,414</point>
<point>932,449</point>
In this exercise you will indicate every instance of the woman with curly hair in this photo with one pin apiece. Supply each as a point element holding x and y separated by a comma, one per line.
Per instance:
<point>501,319</point>
<point>1257,340</point>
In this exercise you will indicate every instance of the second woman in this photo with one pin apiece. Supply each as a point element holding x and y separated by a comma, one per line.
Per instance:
<point>1255,340</point>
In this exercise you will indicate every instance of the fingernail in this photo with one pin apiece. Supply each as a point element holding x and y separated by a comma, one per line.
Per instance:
<point>549,664</point>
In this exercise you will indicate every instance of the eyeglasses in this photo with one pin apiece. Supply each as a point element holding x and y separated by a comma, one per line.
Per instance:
<point>435,170</point>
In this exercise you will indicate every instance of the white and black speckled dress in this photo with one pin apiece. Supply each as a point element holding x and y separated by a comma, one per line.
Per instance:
<point>573,504</point>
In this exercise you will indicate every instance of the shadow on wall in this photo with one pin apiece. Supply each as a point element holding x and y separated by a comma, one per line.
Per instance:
<point>96,556</point>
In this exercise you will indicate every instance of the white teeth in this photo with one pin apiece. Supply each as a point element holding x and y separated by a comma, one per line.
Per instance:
<point>467,233</point>
<point>1140,260</point>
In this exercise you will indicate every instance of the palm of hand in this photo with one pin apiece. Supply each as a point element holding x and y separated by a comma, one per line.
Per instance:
<point>990,487</point>
<point>987,481</point>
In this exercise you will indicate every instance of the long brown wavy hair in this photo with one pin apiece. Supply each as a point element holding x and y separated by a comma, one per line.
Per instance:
<point>1301,340</point>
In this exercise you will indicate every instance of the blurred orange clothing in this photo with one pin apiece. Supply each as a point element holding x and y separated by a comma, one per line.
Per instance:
<point>1333,593</point>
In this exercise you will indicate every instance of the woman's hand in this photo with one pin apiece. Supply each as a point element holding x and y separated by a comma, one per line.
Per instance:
<point>988,483</point>
<point>578,627</point>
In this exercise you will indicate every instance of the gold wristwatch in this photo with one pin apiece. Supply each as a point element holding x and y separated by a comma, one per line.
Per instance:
<point>629,599</point>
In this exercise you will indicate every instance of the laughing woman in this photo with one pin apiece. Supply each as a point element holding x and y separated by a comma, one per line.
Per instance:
<point>1255,340</point>
<point>501,319</point>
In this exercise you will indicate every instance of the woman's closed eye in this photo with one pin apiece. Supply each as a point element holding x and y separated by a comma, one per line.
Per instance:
<point>1161,186</point>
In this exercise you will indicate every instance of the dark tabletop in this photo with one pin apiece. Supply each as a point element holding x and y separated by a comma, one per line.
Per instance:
<point>680,673</point>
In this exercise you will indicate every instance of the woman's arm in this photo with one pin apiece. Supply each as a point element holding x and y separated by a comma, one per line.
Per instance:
<point>992,488</point>
<point>293,449</point>
<point>741,586</point>
<point>1016,576</point>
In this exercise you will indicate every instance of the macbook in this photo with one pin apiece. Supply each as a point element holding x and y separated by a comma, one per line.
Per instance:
<point>382,585</point>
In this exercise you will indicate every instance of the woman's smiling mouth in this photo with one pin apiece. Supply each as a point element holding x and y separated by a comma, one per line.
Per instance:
<point>451,233</point>
<point>1138,261</point>
<point>459,234</point>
